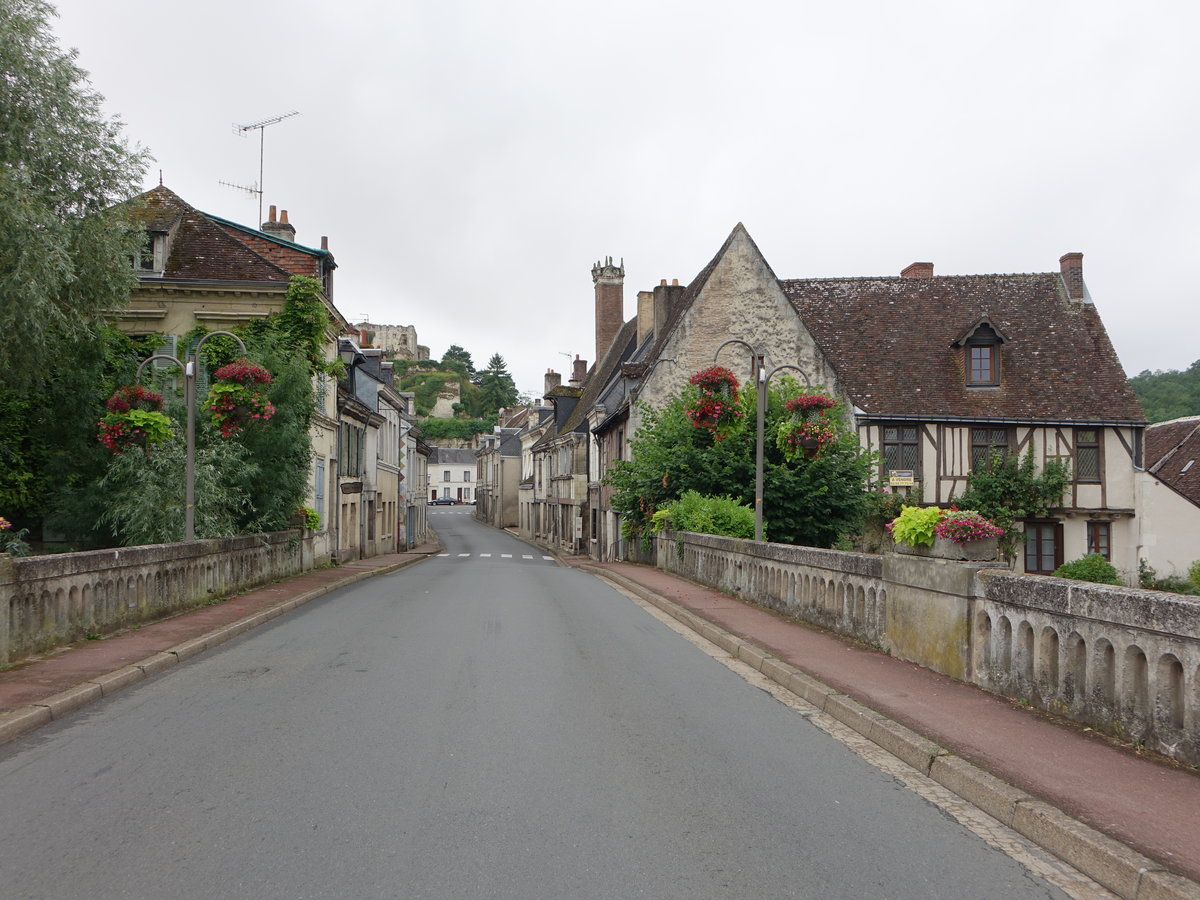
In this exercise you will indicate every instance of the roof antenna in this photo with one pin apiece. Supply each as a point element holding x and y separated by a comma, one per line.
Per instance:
<point>261,126</point>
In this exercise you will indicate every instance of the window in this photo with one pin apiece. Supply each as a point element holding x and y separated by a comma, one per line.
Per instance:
<point>902,448</point>
<point>446,475</point>
<point>1087,454</point>
<point>319,488</point>
<point>1043,547</point>
<point>1099,539</point>
<point>467,475</point>
<point>985,444</point>
<point>983,357</point>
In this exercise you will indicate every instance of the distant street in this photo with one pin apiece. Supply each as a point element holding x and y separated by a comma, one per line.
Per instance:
<point>484,724</point>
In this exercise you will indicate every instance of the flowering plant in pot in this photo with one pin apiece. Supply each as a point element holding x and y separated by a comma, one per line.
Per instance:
<point>717,404</point>
<point>237,397</point>
<point>810,429</point>
<point>964,526</point>
<point>135,419</point>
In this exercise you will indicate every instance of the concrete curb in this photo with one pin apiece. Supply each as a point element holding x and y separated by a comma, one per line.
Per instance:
<point>25,719</point>
<point>1120,868</point>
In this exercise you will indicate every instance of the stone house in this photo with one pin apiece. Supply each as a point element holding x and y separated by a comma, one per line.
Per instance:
<point>452,473</point>
<point>499,471</point>
<point>938,371</point>
<point>198,269</point>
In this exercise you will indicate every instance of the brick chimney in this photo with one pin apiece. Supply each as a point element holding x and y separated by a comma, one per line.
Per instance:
<point>918,270</point>
<point>281,228</point>
<point>578,370</point>
<point>1071,266</point>
<point>610,302</point>
<point>553,380</point>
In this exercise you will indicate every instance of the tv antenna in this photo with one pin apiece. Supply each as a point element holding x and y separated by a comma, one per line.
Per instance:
<point>262,127</point>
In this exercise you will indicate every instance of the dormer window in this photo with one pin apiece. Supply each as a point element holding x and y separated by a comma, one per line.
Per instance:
<point>153,256</point>
<point>981,354</point>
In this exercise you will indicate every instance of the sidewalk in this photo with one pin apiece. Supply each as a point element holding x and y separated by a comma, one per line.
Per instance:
<point>37,691</point>
<point>959,734</point>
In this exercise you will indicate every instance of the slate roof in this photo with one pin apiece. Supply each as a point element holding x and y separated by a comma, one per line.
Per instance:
<point>889,339</point>
<point>597,379</point>
<point>199,248</point>
<point>1173,455</point>
<point>452,456</point>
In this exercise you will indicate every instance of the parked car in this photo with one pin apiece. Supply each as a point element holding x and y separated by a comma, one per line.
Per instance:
<point>443,501</point>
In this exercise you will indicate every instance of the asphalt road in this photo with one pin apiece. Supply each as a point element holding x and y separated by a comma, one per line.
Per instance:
<point>476,726</point>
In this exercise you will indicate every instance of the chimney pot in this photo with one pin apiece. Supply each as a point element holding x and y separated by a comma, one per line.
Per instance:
<point>283,217</point>
<point>918,270</point>
<point>324,242</point>
<point>674,282</point>
<point>271,214</point>
<point>662,282</point>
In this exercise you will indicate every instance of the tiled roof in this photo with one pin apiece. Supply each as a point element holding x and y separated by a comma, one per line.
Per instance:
<point>1173,455</point>
<point>200,248</point>
<point>889,339</point>
<point>453,456</point>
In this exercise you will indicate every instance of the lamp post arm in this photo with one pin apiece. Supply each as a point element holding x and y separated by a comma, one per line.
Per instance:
<point>778,369</point>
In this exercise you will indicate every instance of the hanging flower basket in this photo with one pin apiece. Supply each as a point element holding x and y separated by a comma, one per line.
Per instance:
<point>809,430</point>
<point>238,398</point>
<point>717,406</point>
<point>134,420</point>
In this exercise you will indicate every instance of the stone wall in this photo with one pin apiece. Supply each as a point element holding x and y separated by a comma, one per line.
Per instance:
<point>49,601</point>
<point>1121,660</point>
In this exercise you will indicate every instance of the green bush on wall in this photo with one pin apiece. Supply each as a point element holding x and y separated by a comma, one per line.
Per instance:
<point>1093,567</point>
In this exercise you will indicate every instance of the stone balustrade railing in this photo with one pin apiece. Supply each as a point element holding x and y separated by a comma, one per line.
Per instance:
<point>49,601</point>
<point>1121,660</point>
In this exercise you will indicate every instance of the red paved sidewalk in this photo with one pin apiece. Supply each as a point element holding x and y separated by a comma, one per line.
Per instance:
<point>31,682</point>
<point>1147,804</point>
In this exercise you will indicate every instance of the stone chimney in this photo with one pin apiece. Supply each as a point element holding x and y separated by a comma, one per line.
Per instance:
<point>1071,266</point>
<point>553,380</point>
<point>281,228</point>
<point>645,316</point>
<point>578,370</point>
<point>665,297</point>
<point>610,302</point>
<point>917,270</point>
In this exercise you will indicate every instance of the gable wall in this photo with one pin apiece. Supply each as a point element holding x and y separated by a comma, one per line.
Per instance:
<point>741,299</point>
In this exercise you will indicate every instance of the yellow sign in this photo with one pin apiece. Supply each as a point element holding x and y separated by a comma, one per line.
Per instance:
<point>902,478</point>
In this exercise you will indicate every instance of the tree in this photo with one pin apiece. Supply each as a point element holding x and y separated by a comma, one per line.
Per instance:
<point>496,387</point>
<point>457,358</point>
<point>808,501</point>
<point>1170,394</point>
<point>66,239</point>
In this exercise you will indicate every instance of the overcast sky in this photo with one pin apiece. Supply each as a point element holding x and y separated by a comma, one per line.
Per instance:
<point>470,161</point>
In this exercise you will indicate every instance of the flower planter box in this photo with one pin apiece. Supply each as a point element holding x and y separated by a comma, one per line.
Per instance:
<point>976,551</point>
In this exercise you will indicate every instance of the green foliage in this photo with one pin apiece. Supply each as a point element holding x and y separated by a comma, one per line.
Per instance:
<point>1168,394</point>
<point>65,245</point>
<point>312,518</point>
<point>1093,567</point>
<point>458,429</point>
<point>1175,584</point>
<point>1009,489</point>
<point>304,319</point>
<point>915,525</point>
<point>458,359</point>
<point>144,493</point>
<point>705,515</point>
<point>496,387</point>
<point>808,502</point>
<point>12,541</point>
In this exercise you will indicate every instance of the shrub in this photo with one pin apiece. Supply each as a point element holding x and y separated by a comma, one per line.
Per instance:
<point>1093,567</point>
<point>1194,573</point>
<point>702,514</point>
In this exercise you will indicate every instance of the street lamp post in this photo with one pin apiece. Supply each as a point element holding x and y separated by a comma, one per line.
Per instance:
<point>761,378</point>
<point>189,399</point>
